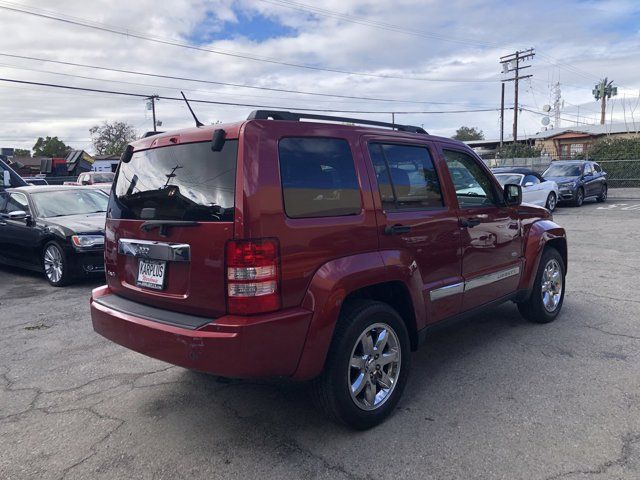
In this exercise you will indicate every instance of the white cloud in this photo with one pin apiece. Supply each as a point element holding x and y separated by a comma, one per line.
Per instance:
<point>587,39</point>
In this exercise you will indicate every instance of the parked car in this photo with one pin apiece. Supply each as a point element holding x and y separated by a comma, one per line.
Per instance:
<point>276,247</point>
<point>578,180</point>
<point>535,189</point>
<point>93,178</point>
<point>101,187</point>
<point>35,180</point>
<point>56,230</point>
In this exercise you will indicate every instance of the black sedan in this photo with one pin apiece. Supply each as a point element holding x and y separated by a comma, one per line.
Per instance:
<point>578,180</point>
<point>57,230</point>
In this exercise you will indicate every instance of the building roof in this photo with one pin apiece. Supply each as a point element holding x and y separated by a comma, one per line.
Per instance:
<point>593,130</point>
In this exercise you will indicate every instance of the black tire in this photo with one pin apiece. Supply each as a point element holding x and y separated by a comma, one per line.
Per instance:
<point>603,194</point>
<point>533,309</point>
<point>332,389</point>
<point>579,200</point>
<point>552,202</point>
<point>55,279</point>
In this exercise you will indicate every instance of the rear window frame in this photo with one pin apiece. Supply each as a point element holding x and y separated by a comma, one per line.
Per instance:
<point>113,196</point>
<point>355,171</point>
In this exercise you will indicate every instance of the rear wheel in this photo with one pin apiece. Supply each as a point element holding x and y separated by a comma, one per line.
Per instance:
<point>545,302</point>
<point>367,365</point>
<point>552,201</point>
<point>579,198</point>
<point>603,194</point>
<point>55,265</point>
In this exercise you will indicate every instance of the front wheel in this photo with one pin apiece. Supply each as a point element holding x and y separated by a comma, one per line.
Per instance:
<point>367,365</point>
<point>603,194</point>
<point>547,295</point>
<point>579,198</point>
<point>552,201</point>
<point>55,265</point>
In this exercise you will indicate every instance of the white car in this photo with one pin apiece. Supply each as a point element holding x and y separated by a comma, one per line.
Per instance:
<point>535,189</point>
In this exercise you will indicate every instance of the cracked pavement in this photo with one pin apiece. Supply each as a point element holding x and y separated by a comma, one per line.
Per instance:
<point>493,398</point>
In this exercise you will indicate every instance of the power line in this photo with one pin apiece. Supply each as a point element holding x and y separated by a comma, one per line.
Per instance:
<point>418,33</point>
<point>132,34</point>
<point>211,82</point>
<point>372,23</point>
<point>213,102</point>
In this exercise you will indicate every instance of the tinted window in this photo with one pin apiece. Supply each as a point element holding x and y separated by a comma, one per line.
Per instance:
<point>181,182</point>
<point>473,186</point>
<point>531,179</point>
<point>505,178</point>
<point>13,202</point>
<point>588,170</point>
<point>406,176</point>
<point>318,177</point>
<point>597,168</point>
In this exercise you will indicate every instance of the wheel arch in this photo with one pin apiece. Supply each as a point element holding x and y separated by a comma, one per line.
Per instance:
<point>540,235</point>
<point>335,284</point>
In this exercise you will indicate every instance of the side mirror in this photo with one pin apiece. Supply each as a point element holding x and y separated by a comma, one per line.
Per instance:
<point>6,178</point>
<point>528,184</point>
<point>512,194</point>
<point>17,215</point>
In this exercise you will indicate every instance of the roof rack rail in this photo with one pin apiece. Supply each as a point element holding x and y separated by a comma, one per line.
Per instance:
<point>296,117</point>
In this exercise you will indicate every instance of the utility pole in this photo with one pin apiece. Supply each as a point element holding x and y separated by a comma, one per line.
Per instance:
<point>511,63</point>
<point>602,91</point>
<point>151,102</point>
<point>502,115</point>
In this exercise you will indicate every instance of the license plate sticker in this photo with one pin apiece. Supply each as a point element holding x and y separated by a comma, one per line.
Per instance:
<point>151,274</point>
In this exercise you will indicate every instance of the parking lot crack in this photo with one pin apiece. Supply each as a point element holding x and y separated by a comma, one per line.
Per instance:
<point>613,334</point>
<point>621,461</point>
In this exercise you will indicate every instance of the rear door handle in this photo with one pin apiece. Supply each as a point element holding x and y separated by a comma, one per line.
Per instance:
<point>397,229</point>
<point>469,222</point>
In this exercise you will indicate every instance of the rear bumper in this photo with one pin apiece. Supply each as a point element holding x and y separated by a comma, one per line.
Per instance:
<point>231,346</point>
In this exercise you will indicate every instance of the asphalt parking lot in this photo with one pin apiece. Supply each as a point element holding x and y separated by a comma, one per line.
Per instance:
<point>494,398</point>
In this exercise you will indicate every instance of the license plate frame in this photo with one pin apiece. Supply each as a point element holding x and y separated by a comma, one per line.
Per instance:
<point>149,278</point>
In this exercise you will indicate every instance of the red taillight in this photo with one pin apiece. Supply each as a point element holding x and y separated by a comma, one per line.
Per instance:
<point>252,276</point>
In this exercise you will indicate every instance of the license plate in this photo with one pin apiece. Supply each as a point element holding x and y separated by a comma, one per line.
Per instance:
<point>151,274</point>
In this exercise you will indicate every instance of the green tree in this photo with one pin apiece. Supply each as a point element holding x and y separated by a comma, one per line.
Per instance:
<point>21,152</point>
<point>468,133</point>
<point>518,150</point>
<point>112,138</point>
<point>50,147</point>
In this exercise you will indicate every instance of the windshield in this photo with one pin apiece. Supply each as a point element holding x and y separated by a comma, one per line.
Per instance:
<point>180,182</point>
<point>103,177</point>
<point>78,201</point>
<point>564,170</point>
<point>505,178</point>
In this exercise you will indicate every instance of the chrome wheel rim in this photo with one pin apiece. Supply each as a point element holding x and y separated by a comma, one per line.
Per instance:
<point>374,366</point>
<point>551,285</point>
<point>604,193</point>
<point>551,203</point>
<point>53,263</point>
<point>580,197</point>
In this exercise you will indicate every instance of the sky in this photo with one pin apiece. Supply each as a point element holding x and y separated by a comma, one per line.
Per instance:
<point>403,56</point>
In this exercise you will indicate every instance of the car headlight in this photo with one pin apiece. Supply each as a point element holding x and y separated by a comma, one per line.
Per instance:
<point>87,241</point>
<point>568,185</point>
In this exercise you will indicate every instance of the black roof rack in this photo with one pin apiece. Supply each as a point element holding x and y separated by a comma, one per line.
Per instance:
<point>296,117</point>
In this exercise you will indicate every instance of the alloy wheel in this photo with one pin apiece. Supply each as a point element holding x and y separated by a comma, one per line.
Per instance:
<point>53,263</point>
<point>374,366</point>
<point>551,289</point>
<point>551,202</point>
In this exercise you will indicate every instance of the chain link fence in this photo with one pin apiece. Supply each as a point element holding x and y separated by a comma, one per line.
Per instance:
<point>620,173</point>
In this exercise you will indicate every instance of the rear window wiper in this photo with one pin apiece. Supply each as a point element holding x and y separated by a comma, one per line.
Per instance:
<point>164,224</point>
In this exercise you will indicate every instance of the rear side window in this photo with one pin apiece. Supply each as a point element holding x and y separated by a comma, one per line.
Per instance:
<point>318,177</point>
<point>406,176</point>
<point>180,182</point>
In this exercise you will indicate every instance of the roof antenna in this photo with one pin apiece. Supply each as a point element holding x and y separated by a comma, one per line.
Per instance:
<point>198,122</point>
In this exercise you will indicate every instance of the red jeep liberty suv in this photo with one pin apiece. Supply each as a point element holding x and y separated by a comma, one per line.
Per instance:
<point>315,250</point>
